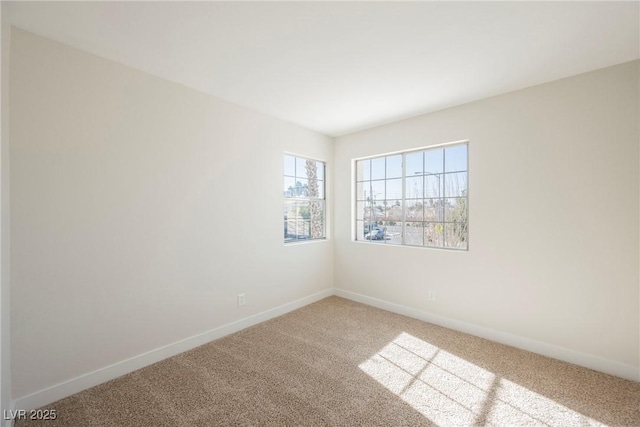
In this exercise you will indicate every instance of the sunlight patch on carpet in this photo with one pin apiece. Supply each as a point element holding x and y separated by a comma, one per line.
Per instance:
<point>449,390</point>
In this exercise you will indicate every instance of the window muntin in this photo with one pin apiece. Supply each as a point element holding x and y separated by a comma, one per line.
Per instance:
<point>304,199</point>
<point>415,198</point>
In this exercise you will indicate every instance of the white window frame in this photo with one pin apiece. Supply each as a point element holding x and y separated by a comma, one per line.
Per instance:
<point>308,199</point>
<point>404,199</point>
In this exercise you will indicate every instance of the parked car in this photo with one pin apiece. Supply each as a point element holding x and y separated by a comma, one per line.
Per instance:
<point>376,233</point>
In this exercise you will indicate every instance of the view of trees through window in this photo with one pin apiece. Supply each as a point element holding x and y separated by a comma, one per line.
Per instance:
<point>417,198</point>
<point>304,199</point>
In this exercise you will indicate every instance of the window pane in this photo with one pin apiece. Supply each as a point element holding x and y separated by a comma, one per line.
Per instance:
<point>374,232</point>
<point>304,205</point>
<point>394,210</point>
<point>362,208</point>
<point>433,209</point>
<point>455,184</point>
<point>297,221</point>
<point>304,229</point>
<point>289,208</point>
<point>393,234</point>
<point>320,189</point>
<point>300,188</point>
<point>379,212</point>
<point>456,210</point>
<point>415,164</point>
<point>433,185</point>
<point>433,161</point>
<point>377,190</point>
<point>433,234</point>
<point>320,170</point>
<point>377,168</point>
<point>289,165</point>
<point>369,225</point>
<point>359,230</point>
<point>313,188</point>
<point>289,187</point>
<point>394,166</point>
<point>414,233</point>
<point>316,211</point>
<point>301,169</point>
<point>290,220</point>
<point>414,210</point>
<point>363,190</point>
<point>455,236</point>
<point>415,198</point>
<point>363,170</point>
<point>414,187</point>
<point>455,158</point>
<point>303,220</point>
<point>302,210</point>
<point>394,189</point>
<point>311,168</point>
<point>369,212</point>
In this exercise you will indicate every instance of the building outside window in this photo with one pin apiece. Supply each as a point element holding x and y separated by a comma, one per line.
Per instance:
<point>304,199</point>
<point>414,198</point>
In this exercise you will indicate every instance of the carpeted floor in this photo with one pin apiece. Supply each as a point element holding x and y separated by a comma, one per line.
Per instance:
<point>337,362</point>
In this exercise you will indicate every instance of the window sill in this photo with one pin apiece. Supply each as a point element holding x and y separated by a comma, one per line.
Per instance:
<point>304,242</point>
<point>360,242</point>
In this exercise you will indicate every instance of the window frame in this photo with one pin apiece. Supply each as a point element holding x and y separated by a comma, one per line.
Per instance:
<point>404,199</point>
<point>323,199</point>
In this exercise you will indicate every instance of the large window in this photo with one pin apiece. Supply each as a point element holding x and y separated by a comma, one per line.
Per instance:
<point>416,198</point>
<point>304,199</point>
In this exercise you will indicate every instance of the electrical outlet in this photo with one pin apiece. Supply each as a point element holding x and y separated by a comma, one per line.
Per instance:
<point>241,299</point>
<point>432,296</point>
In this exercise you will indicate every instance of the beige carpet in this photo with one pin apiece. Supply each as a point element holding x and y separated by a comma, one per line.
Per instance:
<point>341,363</point>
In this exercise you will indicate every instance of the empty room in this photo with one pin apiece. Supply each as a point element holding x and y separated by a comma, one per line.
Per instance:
<point>320,213</point>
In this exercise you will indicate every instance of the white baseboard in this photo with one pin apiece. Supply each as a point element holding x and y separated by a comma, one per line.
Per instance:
<point>91,379</point>
<point>596,363</point>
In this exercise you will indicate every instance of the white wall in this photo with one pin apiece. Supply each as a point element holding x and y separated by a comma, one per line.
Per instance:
<point>142,208</point>
<point>5,340</point>
<point>553,217</point>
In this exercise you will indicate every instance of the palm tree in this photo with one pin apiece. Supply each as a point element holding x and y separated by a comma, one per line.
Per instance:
<point>317,226</point>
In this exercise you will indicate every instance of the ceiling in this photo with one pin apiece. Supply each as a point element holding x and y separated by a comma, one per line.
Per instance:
<point>339,67</point>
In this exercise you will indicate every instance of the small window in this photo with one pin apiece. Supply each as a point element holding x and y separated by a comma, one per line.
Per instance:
<point>415,198</point>
<point>304,199</point>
